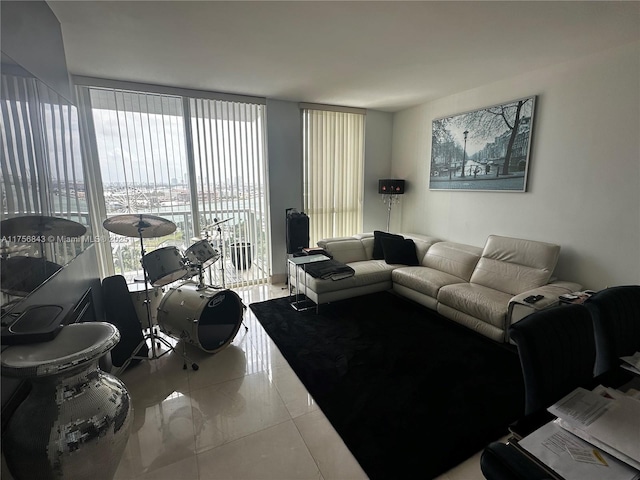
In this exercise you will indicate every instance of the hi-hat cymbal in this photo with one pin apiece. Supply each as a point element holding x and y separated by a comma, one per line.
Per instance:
<point>37,225</point>
<point>139,225</point>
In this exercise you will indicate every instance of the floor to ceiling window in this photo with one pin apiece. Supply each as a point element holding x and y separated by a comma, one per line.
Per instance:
<point>197,162</point>
<point>333,169</point>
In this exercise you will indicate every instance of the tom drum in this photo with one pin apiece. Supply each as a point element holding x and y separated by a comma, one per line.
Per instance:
<point>206,318</point>
<point>203,253</point>
<point>164,265</point>
<point>137,292</point>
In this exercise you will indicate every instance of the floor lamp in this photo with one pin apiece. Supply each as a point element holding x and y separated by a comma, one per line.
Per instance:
<point>390,189</point>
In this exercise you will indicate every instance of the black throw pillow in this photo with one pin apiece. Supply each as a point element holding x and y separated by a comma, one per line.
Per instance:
<point>400,251</point>
<point>378,253</point>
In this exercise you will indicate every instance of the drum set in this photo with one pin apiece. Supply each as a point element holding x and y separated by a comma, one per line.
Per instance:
<point>205,316</point>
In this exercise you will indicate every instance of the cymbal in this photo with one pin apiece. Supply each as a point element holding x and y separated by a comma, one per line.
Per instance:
<point>139,225</point>
<point>217,223</point>
<point>41,225</point>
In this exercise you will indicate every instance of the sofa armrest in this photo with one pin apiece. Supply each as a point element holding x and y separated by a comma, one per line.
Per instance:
<point>518,308</point>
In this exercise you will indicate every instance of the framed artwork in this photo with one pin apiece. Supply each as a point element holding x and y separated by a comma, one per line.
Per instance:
<point>485,150</point>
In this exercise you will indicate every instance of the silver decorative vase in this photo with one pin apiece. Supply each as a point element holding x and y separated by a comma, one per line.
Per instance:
<point>75,422</point>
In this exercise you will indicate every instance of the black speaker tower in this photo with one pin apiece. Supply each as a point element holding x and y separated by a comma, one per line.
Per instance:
<point>297,231</point>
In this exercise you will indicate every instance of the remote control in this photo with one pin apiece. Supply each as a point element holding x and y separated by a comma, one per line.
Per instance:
<point>533,298</point>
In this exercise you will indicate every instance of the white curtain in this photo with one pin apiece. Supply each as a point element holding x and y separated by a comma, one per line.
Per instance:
<point>40,161</point>
<point>333,156</point>
<point>198,162</point>
<point>229,152</point>
<point>23,166</point>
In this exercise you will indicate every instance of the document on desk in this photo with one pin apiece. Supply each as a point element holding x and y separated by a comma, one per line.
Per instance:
<point>610,421</point>
<point>573,458</point>
<point>581,407</point>
<point>632,363</point>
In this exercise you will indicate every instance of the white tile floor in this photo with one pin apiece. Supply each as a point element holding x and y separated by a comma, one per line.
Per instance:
<point>243,415</point>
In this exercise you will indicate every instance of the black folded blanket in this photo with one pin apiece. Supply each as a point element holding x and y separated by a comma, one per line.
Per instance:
<point>329,269</point>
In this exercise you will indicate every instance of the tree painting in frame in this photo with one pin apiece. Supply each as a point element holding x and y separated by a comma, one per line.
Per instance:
<point>486,149</point>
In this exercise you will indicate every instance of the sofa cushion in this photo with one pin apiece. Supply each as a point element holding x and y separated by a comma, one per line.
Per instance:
<point>344,249</point>
<point>453,258</point>
<point>366,273</point>
<point>477,301</point>
<point>399,251</point>
<point>378,252</point>
<point>423,243</point>
<point>513,265</point>
<point>425,280</point>
<point>367,242</point>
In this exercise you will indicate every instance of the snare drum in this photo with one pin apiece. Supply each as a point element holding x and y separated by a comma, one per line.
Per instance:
<point>164,265</point>
<point>206,318</point>
<point>203,253</point>
<point>138,295</point>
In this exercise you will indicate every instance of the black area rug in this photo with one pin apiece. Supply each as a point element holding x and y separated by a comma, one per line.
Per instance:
<point>411,393</point>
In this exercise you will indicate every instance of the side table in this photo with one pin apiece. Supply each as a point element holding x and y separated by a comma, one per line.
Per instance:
<point>299,263</point>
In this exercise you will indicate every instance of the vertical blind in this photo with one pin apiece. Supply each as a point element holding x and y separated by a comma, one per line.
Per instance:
<point>40,162</point>
<point>230,183</point>
<point>21,145</point>
<point>199,163</point>
<point>139,139</point>
<point>333,169</point>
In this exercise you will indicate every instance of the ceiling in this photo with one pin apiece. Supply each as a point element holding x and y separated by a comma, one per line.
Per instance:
<point>384,55</point>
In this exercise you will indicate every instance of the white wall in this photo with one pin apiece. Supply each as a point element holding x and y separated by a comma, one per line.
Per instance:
<point>284,142</point>
<point>584,178</point>
<point>377,165</point>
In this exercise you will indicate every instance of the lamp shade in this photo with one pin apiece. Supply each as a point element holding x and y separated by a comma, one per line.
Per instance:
<point>391,186</point>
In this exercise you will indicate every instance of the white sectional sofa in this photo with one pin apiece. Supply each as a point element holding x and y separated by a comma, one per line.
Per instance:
<point>481,288</point>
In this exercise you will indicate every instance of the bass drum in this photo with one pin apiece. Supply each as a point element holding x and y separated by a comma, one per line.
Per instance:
<point>207,318</point>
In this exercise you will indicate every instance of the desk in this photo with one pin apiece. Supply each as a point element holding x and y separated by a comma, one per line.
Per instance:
<point>540,433</point>
<point>555,450</point>
<point>299,263</point>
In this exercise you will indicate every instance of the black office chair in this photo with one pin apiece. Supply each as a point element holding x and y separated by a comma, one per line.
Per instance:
<point>502,462</point>
<point>120,311</point>
<point>615,313</point>
<point>557,353</point>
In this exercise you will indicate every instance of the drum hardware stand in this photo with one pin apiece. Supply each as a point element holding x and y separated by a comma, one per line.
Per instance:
<point>217,223</point>
<point>152,335</point>
<point>201,284</point>
<point>198,265</point>
<point>219,230</point>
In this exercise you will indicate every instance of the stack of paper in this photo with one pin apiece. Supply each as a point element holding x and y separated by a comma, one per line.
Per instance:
<point>632,363</point>
<point>605,418</point>
<point>571,457</point>
<point>596,436</point>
